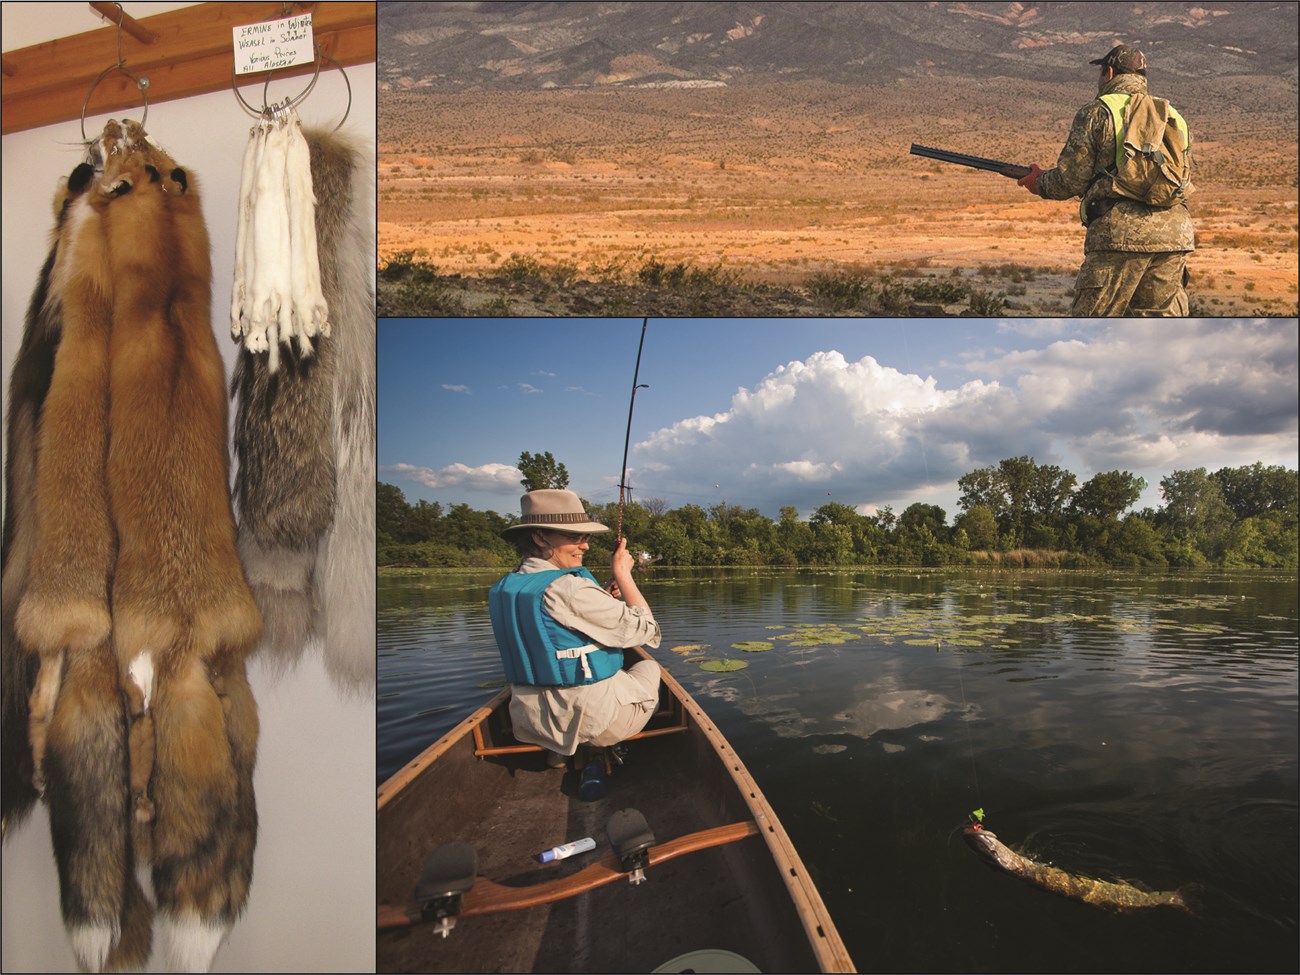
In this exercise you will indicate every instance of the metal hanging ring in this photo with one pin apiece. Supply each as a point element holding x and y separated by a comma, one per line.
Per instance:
<point>266,110</point>
<point>141,83</point>
<point>347,83</point>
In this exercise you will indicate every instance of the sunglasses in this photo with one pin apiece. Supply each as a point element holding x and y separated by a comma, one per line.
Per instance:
<point>571,539</point>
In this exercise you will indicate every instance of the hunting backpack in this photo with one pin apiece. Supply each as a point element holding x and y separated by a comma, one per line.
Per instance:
<point>1153,150</point>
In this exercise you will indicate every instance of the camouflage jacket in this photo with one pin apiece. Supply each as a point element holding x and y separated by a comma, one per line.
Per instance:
<point>1090,148</point>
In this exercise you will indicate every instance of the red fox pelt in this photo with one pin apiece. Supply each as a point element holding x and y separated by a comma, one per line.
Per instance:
<point>143,730</point>
<point>30,379</point>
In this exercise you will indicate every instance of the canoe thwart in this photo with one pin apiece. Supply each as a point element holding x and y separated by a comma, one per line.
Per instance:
<point>489,897</point>
<point>630,836</point>
<point>448,873</point>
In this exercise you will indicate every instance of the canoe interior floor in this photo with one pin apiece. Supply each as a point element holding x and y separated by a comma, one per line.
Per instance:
<point>707,899</point>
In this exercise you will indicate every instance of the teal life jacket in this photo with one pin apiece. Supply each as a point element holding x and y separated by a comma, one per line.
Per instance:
<point>535,649</point>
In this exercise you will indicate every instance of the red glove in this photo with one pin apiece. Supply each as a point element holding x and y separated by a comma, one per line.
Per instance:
<point>1030,180</point>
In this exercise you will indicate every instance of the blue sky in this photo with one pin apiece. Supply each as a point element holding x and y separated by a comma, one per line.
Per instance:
<point>771,412</point>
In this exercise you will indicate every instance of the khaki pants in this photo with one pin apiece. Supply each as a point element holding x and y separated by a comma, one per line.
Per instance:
<point>634,715</point>
<point>1129,283</point>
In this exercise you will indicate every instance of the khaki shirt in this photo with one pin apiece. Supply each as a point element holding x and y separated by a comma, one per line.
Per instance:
<point>561,718</point>
<point>1090,148</point>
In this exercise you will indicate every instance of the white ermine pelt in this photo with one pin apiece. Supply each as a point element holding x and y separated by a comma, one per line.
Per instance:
<point>130,595</point>
<point>304,437</point>
<point>277,296</point>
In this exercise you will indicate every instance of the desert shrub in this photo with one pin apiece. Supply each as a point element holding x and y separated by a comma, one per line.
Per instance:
<point>839,292</point>
<point>609,272</point>
<point>520,267</point>
<point>410,266</point>
<point>944,292</point>
<point>890,296</point>
<point>986,304</point>
<point>428,299</point>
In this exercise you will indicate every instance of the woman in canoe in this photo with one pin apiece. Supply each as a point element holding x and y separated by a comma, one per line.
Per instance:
<point>561,636</point>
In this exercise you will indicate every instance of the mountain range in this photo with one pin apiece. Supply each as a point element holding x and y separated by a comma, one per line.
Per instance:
<point>503,46</point>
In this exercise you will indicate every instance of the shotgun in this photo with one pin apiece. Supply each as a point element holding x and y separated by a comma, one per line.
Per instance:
<point>1010,170</point>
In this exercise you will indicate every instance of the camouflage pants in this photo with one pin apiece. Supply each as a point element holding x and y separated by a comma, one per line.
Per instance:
<point>1131,283</point>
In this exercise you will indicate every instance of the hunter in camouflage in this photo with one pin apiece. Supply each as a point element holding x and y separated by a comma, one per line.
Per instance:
<point>1135,255</point>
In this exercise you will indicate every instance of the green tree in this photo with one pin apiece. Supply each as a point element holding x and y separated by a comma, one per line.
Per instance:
<point>1028,500</point>
<point>794,537</point>
<point>392,513</point>
<point>929,516</point>
<point>423,521</point>
<point>1252,490</point>
<point>832,544</point>
<point>1107,496</point>
<point>1195,513</point>
<point>980,526</point>
<point>541,471</point>
<point>1133,541</point>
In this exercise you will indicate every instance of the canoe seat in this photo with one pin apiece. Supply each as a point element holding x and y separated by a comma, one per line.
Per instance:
<point>668,719</point>
<point>630,836</point>
<point>448,873</point>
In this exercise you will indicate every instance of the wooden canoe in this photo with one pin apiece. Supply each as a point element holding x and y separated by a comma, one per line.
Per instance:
<point>722,875</point>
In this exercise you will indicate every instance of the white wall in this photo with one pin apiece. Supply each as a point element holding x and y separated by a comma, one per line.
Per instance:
<point>312,907</point>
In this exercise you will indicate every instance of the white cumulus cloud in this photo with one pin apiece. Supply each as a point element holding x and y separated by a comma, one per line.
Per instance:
<point>486,477</point>
<point>1116,395</point>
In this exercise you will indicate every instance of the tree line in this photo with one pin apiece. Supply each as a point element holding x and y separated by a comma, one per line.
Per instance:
<point>1015,512</point>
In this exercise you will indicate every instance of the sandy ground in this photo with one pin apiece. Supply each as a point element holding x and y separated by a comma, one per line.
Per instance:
<point>770,197</point>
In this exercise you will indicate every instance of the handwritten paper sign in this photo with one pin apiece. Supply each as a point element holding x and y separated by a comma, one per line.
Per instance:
<point>274,44</point>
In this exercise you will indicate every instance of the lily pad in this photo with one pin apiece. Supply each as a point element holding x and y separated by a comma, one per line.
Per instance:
<point>823,636</point>
<point>723,666</point>
<point>753,646</point>
<point>690,648</point>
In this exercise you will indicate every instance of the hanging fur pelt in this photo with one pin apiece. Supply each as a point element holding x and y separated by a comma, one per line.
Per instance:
<point>304,439</point>
<point>29,383</point>
<point>142,728</point>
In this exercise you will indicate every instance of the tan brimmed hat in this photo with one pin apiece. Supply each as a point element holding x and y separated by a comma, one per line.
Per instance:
<point>560,511</point>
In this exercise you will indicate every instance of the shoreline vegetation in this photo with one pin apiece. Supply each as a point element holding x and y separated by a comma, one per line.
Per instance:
<point>411,285</point>
<point>1017,514</point>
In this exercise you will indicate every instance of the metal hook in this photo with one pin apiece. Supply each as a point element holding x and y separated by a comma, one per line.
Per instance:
<point>141,83</point>
<point>267,110</point>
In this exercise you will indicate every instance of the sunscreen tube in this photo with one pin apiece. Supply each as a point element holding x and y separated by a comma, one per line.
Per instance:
<point>567,850</point>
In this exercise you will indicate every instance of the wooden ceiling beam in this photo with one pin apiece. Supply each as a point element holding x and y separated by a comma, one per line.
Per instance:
<point>191,54</point>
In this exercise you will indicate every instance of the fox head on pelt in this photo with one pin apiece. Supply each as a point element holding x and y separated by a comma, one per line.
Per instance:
<point>130,157</point>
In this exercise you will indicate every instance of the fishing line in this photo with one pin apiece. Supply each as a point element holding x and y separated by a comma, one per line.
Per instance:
<point>970,742</point>
<point>622,481</point>
<point>965,707</point>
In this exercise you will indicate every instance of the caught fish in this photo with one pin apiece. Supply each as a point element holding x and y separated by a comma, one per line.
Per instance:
<point>645,559</point>
<point>1109,896</point>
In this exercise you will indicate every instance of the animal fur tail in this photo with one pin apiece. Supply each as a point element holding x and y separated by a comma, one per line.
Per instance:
<point>104,910</point>
<point>345,563</point>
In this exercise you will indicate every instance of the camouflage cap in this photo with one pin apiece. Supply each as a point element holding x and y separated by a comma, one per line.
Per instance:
<point>1123,58</point>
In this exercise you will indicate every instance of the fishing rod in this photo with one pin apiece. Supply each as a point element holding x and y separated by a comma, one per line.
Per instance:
<point>622,481</point>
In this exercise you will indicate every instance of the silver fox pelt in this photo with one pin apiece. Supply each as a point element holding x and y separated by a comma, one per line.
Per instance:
<point>127,614</point>
<point>304,433</point>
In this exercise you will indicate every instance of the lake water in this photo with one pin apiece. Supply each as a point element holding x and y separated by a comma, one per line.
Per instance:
<point>1121,726</point>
